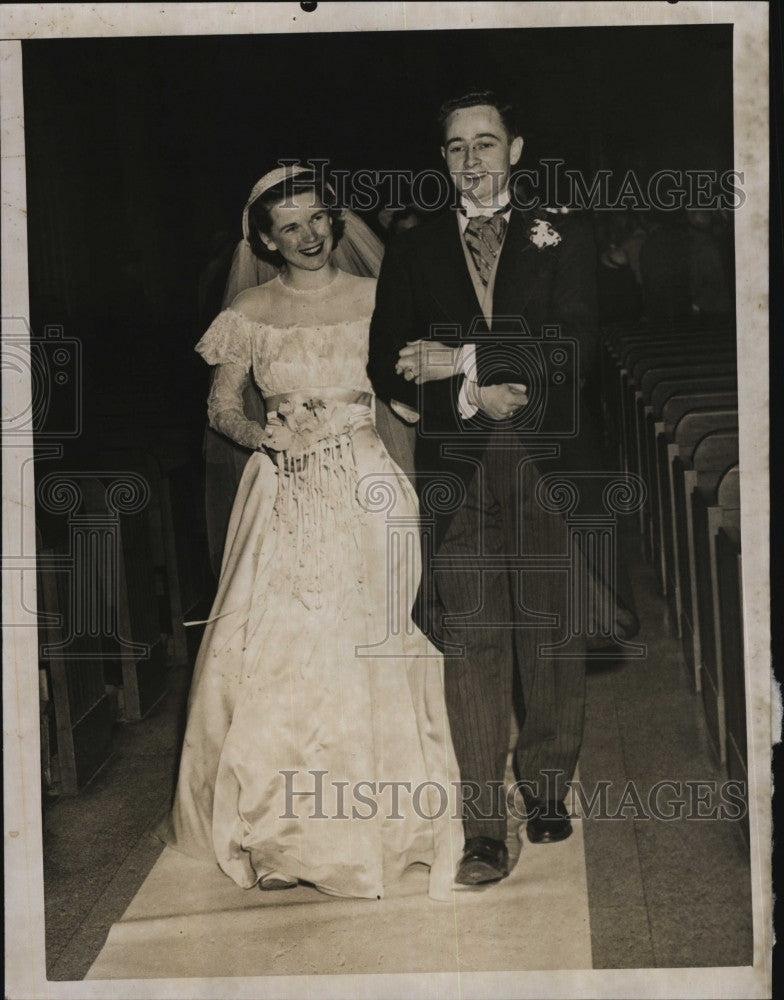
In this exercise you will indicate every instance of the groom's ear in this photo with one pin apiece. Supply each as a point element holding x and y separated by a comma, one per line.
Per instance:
<point>515,149</point>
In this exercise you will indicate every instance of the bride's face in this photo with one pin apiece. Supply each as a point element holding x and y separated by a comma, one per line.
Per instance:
<point>301,231</point>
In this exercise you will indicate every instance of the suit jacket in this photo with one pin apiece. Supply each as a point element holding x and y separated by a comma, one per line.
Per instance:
<point>543,332</point>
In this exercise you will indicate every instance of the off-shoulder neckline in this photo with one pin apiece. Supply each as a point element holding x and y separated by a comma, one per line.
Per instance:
<point>298,326</point>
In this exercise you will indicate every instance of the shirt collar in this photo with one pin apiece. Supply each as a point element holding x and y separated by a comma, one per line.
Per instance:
<point>469,210</point>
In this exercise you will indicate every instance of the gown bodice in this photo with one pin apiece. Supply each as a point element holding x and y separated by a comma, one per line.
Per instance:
<point>285,359</point>
<point>282,361</point>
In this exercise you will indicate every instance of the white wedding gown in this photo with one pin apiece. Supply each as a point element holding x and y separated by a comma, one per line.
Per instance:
<point>311,677</point>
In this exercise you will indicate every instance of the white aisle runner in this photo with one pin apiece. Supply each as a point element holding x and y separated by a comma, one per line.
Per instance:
<point>190,920</point>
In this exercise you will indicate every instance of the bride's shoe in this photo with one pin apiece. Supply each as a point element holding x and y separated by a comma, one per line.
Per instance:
<point>276,880</point>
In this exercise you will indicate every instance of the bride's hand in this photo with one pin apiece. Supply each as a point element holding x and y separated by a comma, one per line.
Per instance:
<point>278,437</point>
<point>427,361</point>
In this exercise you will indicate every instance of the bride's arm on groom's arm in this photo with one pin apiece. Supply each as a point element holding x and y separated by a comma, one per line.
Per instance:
<point>396,324</point>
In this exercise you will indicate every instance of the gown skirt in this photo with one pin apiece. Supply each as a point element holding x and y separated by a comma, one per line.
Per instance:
<point>317,742</point>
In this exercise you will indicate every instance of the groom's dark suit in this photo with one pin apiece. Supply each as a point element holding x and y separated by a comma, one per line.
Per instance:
<point>425,291</point>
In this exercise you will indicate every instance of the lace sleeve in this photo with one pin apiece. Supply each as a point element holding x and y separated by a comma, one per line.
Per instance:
<point>226,341</point>
<point>227,345</point>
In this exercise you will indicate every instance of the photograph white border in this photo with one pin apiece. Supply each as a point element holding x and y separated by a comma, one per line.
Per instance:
<point>25,964</point>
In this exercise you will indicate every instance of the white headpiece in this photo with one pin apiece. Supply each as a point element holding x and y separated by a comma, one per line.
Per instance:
<point>359,252</point>
<point>268,181</point>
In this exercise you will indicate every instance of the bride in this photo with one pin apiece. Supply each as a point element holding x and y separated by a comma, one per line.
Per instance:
<point>317,746</point>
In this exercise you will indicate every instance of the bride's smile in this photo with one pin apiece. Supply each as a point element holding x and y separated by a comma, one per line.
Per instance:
<point>301,231</point>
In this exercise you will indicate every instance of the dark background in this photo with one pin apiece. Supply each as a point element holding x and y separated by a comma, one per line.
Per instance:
<point>141,153</point>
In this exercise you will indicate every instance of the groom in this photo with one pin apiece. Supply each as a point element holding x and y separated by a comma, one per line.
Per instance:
<point>456,344</point>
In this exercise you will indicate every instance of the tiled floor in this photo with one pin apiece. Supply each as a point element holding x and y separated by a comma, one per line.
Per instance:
<point>661,893</point>
<point>99,846</point>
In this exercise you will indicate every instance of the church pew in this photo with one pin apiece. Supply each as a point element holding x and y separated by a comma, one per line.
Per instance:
<point>615,344</point>
<point>661,391</point>
<point>712,456</point>
<point>712,511</point>
<point>616,339</point>
<point>635,359</point>
<point>80,714</point>
<point>643,459</point>
<point>134,650</point>
<point>658,391</point>
<point>145,680</point>
<point>668,354</point>
<point>167,589</point>
<point>633,381</point>
<point>649,416</point>
<point>661,524</point>
<point>729,560</point>
<point>689,429</point>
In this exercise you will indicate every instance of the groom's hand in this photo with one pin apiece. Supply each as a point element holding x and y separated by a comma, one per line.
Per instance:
<point>427,361</point>
<point>500,402</point>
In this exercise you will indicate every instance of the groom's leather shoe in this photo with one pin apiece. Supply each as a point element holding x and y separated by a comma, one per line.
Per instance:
<point>548,822</point>
<point>484,860</point>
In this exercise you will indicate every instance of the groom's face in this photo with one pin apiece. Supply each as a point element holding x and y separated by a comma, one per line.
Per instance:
<point>479,152</point>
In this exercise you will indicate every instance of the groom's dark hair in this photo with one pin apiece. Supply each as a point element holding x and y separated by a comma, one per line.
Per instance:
<point>475,98</point>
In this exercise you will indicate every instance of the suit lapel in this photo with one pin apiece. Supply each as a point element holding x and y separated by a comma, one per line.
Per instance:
<point>518,268</point>
<point>517,278</point>
<point>449,281</point>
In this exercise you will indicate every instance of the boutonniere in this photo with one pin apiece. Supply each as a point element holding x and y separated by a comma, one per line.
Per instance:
<point>542,234</point>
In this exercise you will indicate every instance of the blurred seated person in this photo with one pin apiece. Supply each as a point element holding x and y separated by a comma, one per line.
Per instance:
<point>664,268</point>
<point>708,282</point>
<point>398,220</point>
<point>631,242</point>
<point>620,295</point>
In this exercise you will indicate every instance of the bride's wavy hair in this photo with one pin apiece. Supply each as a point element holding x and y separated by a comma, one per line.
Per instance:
<point>260,217</point>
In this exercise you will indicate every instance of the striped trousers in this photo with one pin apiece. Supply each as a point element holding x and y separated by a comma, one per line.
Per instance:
<point>495,617</point>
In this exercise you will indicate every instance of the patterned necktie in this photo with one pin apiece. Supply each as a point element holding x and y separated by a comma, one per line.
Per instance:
<point>484,235</point>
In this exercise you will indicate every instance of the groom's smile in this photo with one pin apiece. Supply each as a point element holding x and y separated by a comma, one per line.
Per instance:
<point>480,153</point>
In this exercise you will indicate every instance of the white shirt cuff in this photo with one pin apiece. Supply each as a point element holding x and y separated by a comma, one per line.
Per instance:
<point>465,407</point>
<point>407,413</point>
<point>466,362</point>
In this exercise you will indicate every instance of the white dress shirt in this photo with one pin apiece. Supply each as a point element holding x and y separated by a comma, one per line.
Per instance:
<point>467,400</point>
<point>468,396</point>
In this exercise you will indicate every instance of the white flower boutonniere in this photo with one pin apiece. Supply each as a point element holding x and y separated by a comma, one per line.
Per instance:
<point>543,235</point>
